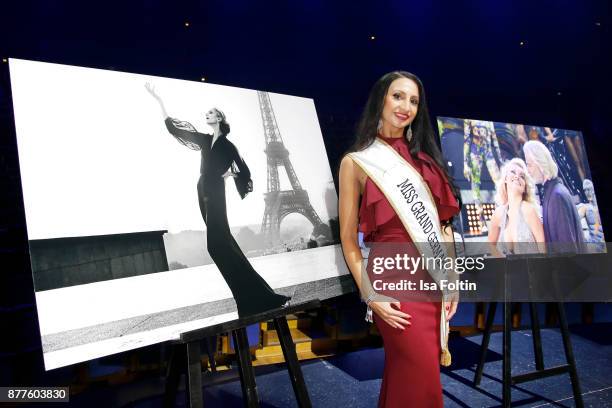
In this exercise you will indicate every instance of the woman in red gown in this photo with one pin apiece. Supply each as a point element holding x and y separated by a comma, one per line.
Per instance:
<point>396,112</point>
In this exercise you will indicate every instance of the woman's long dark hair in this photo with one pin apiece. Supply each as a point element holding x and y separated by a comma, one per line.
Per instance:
<point>423,136</point>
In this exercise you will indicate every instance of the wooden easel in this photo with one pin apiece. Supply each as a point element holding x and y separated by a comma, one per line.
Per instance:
<point>186,357</point>
<point>508,380</point>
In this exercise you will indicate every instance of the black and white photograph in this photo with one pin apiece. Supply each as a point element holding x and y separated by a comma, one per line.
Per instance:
<point>156,206</point>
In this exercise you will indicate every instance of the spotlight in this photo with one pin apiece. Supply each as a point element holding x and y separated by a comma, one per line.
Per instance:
<point>372,37</point>
<point>203,79</point>
<point>186,23</point>
<point>4,60</point>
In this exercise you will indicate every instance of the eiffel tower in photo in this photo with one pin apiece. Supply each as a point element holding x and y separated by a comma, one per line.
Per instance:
<point>280,203</point>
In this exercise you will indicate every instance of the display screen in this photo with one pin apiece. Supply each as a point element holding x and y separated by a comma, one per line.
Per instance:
<point>524,188</point>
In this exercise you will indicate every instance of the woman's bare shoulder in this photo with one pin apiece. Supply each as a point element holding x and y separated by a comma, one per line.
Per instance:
<point>349,170</point>
<point>348,165</point>
<point>347,161</point>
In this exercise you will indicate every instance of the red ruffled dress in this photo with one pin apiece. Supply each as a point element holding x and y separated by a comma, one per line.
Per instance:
<point>412,356</point>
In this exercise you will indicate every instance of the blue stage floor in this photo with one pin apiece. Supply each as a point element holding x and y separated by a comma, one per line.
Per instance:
<point>353,379</point>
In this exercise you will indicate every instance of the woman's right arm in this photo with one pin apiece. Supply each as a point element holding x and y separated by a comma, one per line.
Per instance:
<point>494,233</point>
<point>151,89</point>
<point>351,179</point>
<point>494,227</point>
<point>184,132</point>
<point>348,209</point>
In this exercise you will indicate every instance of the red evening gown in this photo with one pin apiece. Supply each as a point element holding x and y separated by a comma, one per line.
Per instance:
<point>412,356</point>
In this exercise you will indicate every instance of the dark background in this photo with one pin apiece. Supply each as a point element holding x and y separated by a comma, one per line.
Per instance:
<point>544,63</point>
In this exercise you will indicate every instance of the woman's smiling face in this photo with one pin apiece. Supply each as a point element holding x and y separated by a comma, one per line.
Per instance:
<point>516,179</point>
<point>401,103</point>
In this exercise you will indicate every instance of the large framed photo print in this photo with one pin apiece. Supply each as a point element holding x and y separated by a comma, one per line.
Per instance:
<point>156,206</point>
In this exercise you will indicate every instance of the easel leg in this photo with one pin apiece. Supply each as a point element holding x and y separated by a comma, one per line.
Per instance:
<point>537,338</point>
<point>245,367</point>
<point>173,374</point>
<point>484,347</point>
<point>569,355</point>
<point>293,365</point>
<point>211,347</point>
<point>506,363</point>
<point>194,374</point>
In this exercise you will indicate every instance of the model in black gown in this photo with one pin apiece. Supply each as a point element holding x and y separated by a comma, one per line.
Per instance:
<point>220,158</point>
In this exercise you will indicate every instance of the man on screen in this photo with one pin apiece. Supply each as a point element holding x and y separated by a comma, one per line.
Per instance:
<point>562,229</point>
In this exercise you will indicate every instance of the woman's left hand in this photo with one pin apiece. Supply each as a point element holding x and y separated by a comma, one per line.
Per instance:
<point>451,306</point>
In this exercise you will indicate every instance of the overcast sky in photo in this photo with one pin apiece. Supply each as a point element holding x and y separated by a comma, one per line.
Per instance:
<point>96,158</point>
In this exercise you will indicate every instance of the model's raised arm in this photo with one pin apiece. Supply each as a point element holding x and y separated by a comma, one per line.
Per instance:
<point>183,131</point>
<point>151,89</point>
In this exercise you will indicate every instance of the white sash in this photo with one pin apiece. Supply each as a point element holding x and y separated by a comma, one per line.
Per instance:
<point>410,197</point>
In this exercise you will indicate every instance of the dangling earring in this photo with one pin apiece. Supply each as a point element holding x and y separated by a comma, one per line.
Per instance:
<point>409,132</point>
<point>379,127</point>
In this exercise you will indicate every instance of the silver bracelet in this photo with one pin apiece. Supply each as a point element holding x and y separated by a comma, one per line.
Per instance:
<point>369,299</point>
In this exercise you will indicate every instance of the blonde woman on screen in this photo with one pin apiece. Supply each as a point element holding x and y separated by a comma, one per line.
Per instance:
<point>515,225</point>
